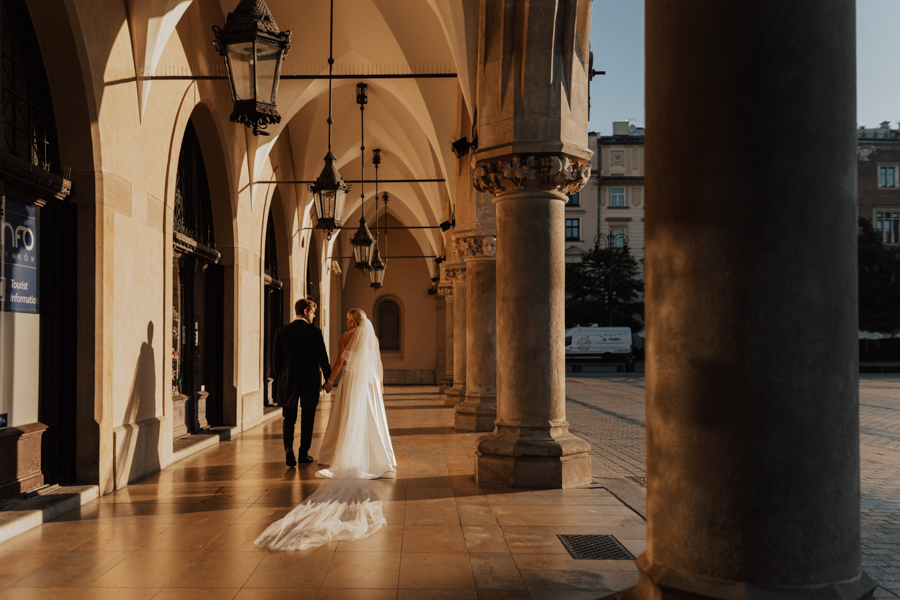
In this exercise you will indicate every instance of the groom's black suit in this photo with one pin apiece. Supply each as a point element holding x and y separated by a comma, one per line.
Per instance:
<point>299,354</point>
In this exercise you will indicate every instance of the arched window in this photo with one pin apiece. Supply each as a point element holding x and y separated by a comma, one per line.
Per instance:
<point>388,321</point>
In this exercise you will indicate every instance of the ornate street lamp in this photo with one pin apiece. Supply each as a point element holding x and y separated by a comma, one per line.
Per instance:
<point>329,190</point>
<point>253,48</point>
<point>376,271</point>
<point>363,242</point>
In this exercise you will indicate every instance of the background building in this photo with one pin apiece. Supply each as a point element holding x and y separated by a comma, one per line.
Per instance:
<point>612,201</point>
<point>878,168</point>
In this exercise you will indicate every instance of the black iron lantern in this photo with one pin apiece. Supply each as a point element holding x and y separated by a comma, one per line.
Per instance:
<point>363,242</point>
<point>378,265</point>
<point>329,190</point>
<point>330,193</point>
<point>376,270</point>
<point>253,48</point>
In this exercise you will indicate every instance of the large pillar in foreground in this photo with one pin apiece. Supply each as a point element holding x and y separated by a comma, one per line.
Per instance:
<point>532,140</point>
<point>752,412</point>
<point>479,408</point>
<point>456,275</point>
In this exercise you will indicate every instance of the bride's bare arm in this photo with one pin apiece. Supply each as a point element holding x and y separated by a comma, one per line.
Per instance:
<point>339,361</point>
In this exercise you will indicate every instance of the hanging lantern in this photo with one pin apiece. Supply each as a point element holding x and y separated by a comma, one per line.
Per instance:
<point>330,193</point>
<point>378,265</point>
<point>329,190</point>
<point>363,243</point>
<point>253,48</point>
<point>376,270</point>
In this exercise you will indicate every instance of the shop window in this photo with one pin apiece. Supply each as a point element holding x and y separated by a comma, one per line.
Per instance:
<point>617,197</point>
<point>573,230</point>
<point>388,321</point>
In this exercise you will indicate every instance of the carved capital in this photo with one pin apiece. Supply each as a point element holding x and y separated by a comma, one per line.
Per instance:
<point>475,246</point>
<point>539,172</point>
<point>456,276</point>
<point>445,290</point>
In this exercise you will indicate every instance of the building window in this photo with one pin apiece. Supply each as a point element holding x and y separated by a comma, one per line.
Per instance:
<point>617,237</point>
<point>388,319</point>
<point>888,225</point>
<point>574,199</point>
<point>887,177</point>
<point>617,197</point>
<point>573,230</point>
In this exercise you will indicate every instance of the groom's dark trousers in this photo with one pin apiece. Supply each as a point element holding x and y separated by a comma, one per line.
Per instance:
<point>299,356</point>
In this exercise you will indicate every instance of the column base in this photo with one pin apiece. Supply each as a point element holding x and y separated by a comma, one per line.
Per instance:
<point>20,466</point>
<point>533,454</point>
<point>476,413</point>
<point>454,395</point>
<point>660,582</point>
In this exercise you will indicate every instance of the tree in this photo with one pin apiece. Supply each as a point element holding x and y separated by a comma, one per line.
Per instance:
<point>879,281</point>
<point>606,279</point>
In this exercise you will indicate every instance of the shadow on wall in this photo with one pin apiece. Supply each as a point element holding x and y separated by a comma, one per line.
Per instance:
<point>137,439</point>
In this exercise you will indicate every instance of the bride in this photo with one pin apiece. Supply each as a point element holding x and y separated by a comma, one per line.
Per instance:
<point>357,447</point>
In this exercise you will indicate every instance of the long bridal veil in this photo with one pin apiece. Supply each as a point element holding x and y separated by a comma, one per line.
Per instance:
<point>344,507</point>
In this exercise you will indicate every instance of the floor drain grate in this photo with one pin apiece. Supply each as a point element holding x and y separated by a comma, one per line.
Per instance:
<point>595,547</point>
<point>641,481</point>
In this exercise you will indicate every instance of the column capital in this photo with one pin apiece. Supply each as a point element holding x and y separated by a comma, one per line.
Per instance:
<point>531,172</point>
<point>456,275</point>
<point>475,245</point>
<point>446,290</point>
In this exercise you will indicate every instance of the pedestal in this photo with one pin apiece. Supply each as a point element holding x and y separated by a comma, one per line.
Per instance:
<point>20,459</point>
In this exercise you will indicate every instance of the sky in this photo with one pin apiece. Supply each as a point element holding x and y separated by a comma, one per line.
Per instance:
<point>617,40</point>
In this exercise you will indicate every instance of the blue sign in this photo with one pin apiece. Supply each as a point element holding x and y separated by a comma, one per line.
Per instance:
<point>19,270</point>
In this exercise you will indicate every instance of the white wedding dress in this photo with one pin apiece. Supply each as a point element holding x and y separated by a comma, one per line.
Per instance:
<point>345,507</point>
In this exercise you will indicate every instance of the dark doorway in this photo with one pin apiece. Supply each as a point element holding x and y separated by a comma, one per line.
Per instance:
<point>273,310</point>
<point>32,185</point>
<point>198,310</point>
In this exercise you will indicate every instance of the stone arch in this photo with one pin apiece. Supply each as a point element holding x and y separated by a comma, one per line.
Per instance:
<point>68,71</point>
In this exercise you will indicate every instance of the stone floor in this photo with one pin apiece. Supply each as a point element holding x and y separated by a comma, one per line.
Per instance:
<point>188,531</point>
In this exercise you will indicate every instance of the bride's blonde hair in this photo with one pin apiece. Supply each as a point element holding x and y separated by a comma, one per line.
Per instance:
<point>357,314</point>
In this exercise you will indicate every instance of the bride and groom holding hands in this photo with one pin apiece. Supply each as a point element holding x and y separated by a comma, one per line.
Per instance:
<point>357,444</point>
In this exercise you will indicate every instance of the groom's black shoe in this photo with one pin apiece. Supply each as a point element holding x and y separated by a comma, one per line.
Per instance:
<point>289,458</point>
<point>305,459</point>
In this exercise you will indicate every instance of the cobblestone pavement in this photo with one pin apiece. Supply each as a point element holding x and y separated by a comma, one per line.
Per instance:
<point>607,410</point>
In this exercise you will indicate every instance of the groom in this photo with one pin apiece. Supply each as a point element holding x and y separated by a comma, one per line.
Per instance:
<point>299,354</point>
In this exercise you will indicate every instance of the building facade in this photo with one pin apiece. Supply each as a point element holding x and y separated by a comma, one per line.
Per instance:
<point>612,202</point>
<point>878,178</point>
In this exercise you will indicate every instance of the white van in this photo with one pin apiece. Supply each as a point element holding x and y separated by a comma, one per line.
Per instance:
<point>598,345</point>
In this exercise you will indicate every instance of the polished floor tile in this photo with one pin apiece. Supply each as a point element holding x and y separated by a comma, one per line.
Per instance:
<point>188,532</point>
<point>363,570</point>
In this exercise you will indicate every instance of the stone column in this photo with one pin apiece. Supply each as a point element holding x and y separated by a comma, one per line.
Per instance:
<point>446,290</point>
<point>456,275</point>
<point>532,150</point>
<point>752,411</point>
<point>479,409</point>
